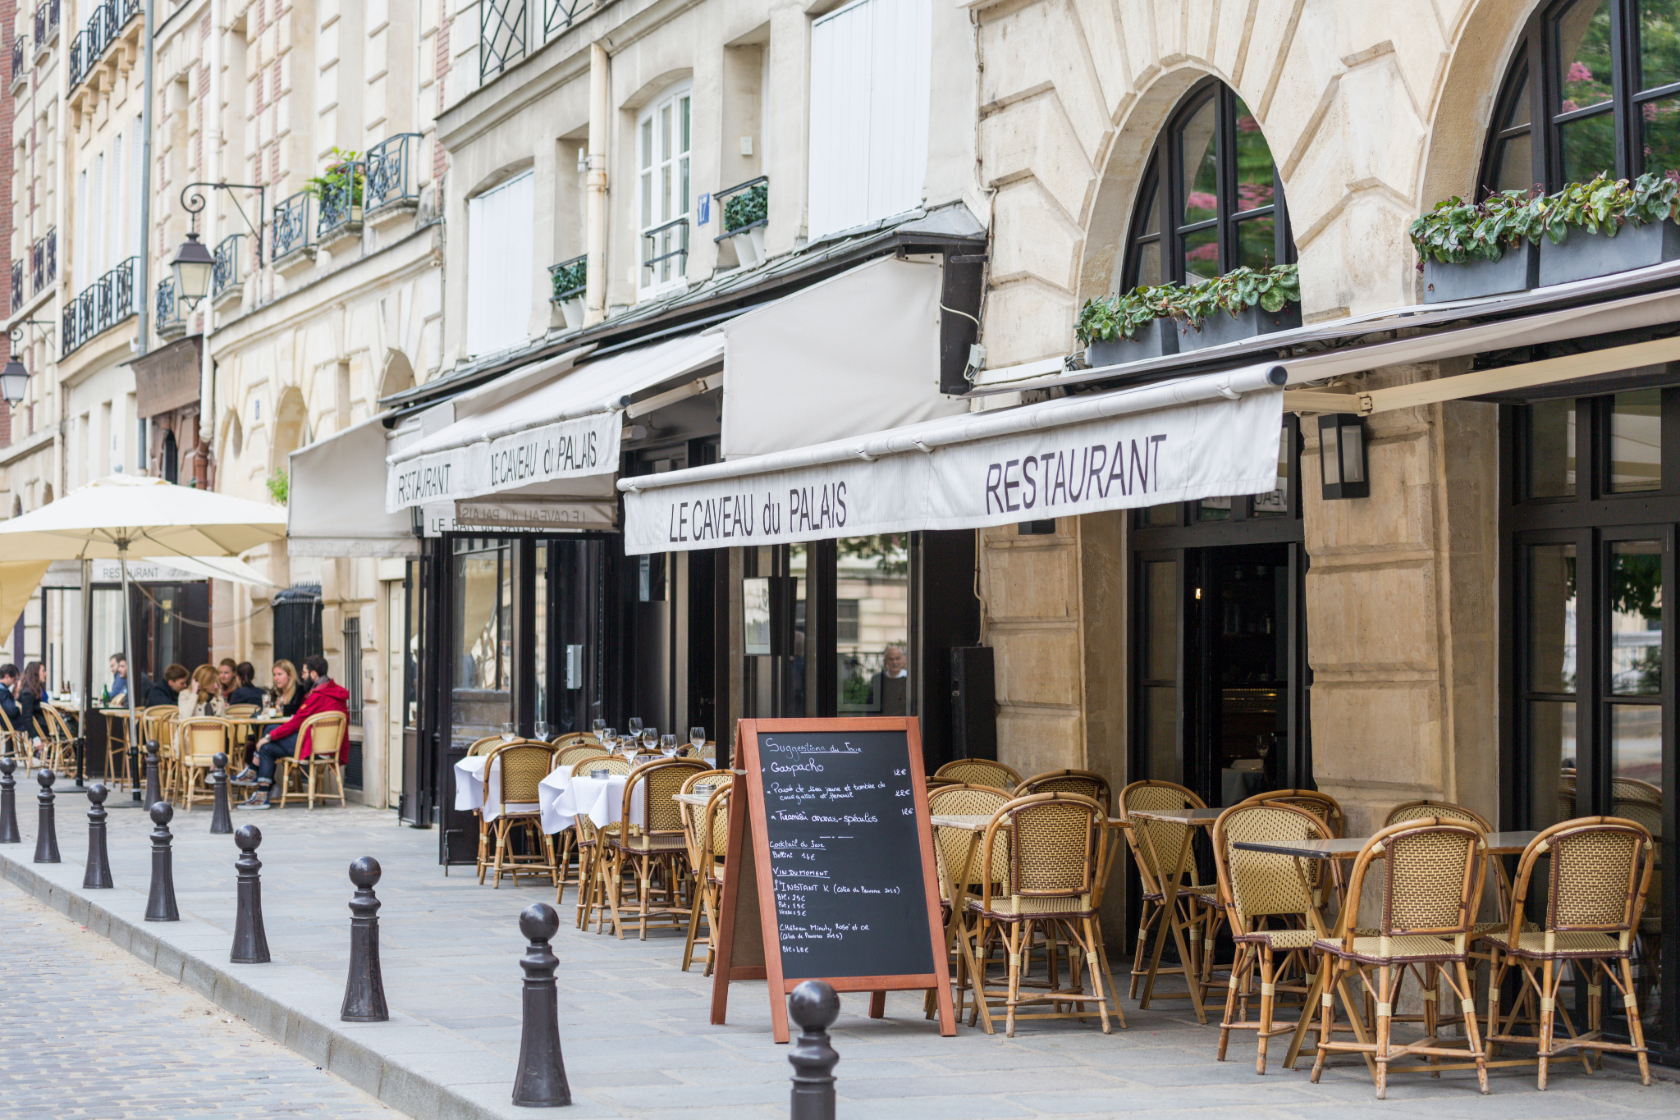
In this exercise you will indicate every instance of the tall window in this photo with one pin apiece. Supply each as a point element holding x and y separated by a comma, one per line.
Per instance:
<point>663,140</point>
<point>500,285</point>
<point>1608,95</point>
<point>1210,199</point>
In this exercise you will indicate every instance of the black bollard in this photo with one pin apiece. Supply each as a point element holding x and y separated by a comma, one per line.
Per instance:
<point>541,1080</point>
<point>250,943</point>
<point>364,991</point>
<point>134,757</point>
<point>152,794</point>
<point>46,832</point>
<point>814,1006</point>
<point>220,822</point>
<point>98,873</point>
<point>8,803</point>
<point>160,903</point>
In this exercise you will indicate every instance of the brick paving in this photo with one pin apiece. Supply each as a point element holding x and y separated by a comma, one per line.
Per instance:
<point>636,1030</point>
<point>87,1030</point>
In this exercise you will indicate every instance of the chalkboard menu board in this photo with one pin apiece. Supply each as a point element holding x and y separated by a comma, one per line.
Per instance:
<point>832,863</point>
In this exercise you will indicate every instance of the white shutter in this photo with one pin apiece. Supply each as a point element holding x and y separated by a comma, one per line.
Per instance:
<point>136,235</point>
<point>114,231</point>
<point>501,229</point>
<point>901,59</point>
<point>82,257</point>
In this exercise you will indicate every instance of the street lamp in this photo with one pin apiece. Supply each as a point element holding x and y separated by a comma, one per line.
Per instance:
<point>1341,452</point>
<point>14,378</point>
<point>192,267</point>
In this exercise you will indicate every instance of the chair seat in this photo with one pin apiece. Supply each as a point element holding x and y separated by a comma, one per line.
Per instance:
<point>1532,943</point>
<point>1401,947</point>
<point>1014,906</point>
<point>1283,939</point>
<point>659,842</point>
<point>1205,890</point>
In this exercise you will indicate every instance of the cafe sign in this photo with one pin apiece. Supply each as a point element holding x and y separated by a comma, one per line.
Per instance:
<point>573,448</point>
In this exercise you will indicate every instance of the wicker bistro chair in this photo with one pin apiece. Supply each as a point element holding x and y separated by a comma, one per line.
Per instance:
<point>1430,880</point>
<point>1258,889</point>
<point>516,768</point>
<point>116,749</point>
<point>659,844</point>
<point>1085,782</point>
<point>1155,847</point>
<point>956,867</point>
<point>1447,811</point>
<point>593,861</point>
<point>575,752</point>
<point>59,744</point>
<point>567,758</point>
<point>1600,876</point>
<point>705,860</point>
<point>14,744</point>
<point>1057,842</point>
<point>979,772</point>
<point>328,734</point>
<point>202,738</point>
<point>240,740</point>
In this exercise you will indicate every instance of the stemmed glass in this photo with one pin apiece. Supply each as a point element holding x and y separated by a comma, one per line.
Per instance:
<point>608,736</point>
<point>540,729</point>
<point>635,726</point>
<point>697,738</point>
<point>650,738</point>
<point>509,734</point>
<point>668,745</point>
<point>597,726</point>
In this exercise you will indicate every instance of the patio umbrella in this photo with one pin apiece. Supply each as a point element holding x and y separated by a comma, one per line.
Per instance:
<point>127,516</point>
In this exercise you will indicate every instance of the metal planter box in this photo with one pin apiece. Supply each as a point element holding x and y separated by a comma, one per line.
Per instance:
<point>1517,271</point>
<point>1222,328</point>
<point>1583,255</point>
<point>1158,338</point>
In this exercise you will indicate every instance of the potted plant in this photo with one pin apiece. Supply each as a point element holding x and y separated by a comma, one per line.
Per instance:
<point>1607,225</point>
<point>569,279</point>
<point>1128,327</point>
<point>338,193</point>
<point>1466,250</point>
<point>1240,304</point>
<point>745,216</point>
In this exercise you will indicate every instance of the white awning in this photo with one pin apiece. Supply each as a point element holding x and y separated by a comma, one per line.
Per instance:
<point>1196,437</point>
<point>331,508</point>
<point>547,440</point>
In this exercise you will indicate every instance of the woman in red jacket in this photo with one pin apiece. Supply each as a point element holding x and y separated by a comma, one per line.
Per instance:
<point>325,695</point>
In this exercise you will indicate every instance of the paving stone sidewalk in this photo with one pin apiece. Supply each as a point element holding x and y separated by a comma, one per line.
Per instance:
<point>636,1030</point>
<point>87,1030</point>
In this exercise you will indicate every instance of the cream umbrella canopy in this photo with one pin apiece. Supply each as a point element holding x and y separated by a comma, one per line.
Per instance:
<point>130,515</point>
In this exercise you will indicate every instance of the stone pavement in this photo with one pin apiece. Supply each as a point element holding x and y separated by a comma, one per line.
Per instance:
<point>636,1030</point>
<point>89,1031</point>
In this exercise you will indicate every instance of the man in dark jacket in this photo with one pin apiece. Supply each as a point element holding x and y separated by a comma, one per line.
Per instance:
<point>8,698</point>
<point>175,678</point>
<point>325,695</point>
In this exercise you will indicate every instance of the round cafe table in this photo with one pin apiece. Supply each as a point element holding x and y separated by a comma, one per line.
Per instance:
<point>564,798</point>
<point>473,792</point>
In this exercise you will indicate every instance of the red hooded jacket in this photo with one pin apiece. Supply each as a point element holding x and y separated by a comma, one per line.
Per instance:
<point>327,696</point>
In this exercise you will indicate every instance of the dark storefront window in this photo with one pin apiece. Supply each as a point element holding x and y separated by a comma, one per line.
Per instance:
<point>481,683</point>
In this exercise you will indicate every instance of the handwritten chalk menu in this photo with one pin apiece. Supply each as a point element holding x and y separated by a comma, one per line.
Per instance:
<point>830,872</point>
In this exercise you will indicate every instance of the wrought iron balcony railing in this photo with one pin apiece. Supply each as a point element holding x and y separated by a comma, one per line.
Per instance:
<point>224,274</point>
<point>19,45</point>
<point>101,305</point>
<point>105,21</point>
<point>665,253</point>
<point>168,308</point>
<point>503,35</point>
<point>569,278</point>
<point>559,14</point>
<point>339,201</point>
<point>292,229</point>
<point>43,262</point>
<point>52,17</point>
<point>17,286</point>
<point>390,175</point>
<point>41,25</point>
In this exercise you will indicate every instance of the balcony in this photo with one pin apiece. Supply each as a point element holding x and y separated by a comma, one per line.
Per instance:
<point>104,24</point>
<point>569,279</point>
<point>391,179</point>
<point>169,323</point>
<point>100,306</point>
<point>17,287</point>
<point>338,212</point>
<point>226,283</point>
<point>43,262</point>
<point>559,14</point>
<point>19,46</point>
<point>746,214</point>
<point>664,255</point>
<point>293,234</point>
<point>46,24</point>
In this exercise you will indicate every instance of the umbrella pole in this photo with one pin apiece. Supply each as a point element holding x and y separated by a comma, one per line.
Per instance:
<point>134,778</point>
<point>85,723</point>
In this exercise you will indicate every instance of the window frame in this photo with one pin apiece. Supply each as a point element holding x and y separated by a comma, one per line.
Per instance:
<point>681,161</point>
<point>1168,154</point>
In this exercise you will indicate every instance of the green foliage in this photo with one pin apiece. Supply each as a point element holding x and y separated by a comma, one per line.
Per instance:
<point>889,551</point>
<point>745,208</point>
<point>1122,316</point>
<point>1456,232</point>
<point>569,279</point>
<point>330,184</point>
<point>279,487</point>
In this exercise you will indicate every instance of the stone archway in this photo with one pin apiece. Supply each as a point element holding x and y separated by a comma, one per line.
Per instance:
<point>397,375</point>
<point>291,423</point>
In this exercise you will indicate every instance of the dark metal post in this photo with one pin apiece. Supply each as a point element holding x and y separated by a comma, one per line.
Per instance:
<point>46,833</point>
<point>814,1006</point>
<point>134,759</point>
<point>98,874</point>
<point>8,803</point>
<point>160,905</point>
<point>364,991</point>
<point>152,794</point>
<point>220,822</point>
<point>250,943</point>
<point>541,1079</point>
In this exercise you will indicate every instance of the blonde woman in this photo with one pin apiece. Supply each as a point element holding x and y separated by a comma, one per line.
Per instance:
<point>287,693</point>
<point>202,697</point>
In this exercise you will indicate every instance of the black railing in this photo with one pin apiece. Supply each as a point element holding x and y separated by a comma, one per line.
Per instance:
<point>744,205</point>
<point>390,171</point>
<point>569,278</point>
<point>559,14</point>
<point>168,308</point>
<point>101,305</point>
<point>502,35</point>
<point>104,23</point>
<point>338,203</point>
<point>43,261</point>
<point>661,244</point>
<point>225,272</point>
<point>41,25</point>
<point>17,286</point>
<point>18,46</point>
<point>52,18</point>
<point>292,231</point>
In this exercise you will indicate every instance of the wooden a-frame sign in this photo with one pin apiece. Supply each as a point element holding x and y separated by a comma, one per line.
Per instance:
<point>848,804</point>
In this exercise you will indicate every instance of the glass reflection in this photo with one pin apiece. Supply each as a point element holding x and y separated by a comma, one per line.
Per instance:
<point>1552,755</point>
<point>1201,255</point>
<point>1255,184</point>
<point>1201,165</point>
<point>872,633</point>
<point>1659,43</point>
<point>1583,55</point>
<point>1636,441</point>
<point>1257,242</point>
<point>1636,604</point>
<point>1551,618</point>
<point>1551,449</point>
<point>1276,503</point>
<point>1516,163</point>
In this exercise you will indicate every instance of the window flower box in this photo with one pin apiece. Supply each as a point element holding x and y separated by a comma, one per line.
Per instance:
<point>1168,319</point>
<point>1583,254</point>
<point>1516,271</point>
<point>1222,328</point>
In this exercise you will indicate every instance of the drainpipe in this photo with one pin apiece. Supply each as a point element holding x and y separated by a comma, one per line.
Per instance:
<point>143,297</point>
<point>600,112</point>
<point>212,170</point>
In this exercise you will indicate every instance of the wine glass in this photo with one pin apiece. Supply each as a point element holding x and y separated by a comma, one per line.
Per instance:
<point>650,737</point>
<point>607,735</point>
<point>540,729</point>
<point>597,726</point>
<point>509,733</point>
<point>635,726</point>
<point>668,745</point>
<point>697,738</point>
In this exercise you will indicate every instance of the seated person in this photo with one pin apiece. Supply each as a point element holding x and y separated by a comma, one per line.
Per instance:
<point>325,695</point>
<point>244,692</point>
<point>201,698</point>
<point>169,692</point>
<point>8,697</point>
<point>119,678</point>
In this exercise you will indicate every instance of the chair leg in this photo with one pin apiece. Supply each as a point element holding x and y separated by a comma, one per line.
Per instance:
<point>1636,1028</point>
<point>1240,965</point>
<point>1327,1003</point>
<point>1548,993</point>
<point>1467,1001</point>
<point>1151,910</point>
<point>1020,937</point>
<point>1266,1003</point>
<point>1092,946</point>
<point>693,930</point>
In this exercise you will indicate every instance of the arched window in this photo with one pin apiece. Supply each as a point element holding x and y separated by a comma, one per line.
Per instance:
<point>1210,199</point>
<point>1608,96</point>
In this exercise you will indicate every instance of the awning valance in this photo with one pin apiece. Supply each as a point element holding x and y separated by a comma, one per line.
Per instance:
<point>327,514</point>
<point>1197,437</point>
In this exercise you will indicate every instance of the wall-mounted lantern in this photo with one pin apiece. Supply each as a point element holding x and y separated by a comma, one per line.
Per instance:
<point>1341,454</point>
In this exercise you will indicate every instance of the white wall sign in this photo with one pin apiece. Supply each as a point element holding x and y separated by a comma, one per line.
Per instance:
<point>586,445</point>
<point>1210,449</point>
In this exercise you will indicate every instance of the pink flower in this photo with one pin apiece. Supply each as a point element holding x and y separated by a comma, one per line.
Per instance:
<point>1568,105</point>
<point>1247,123</point>
<point>1200,200</point>
<point>1253,195</point>
<point>1203,253</point>
<point>1649,110</point>
<point>1578,72</point>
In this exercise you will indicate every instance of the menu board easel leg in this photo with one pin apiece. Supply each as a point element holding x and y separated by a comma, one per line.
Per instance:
<point>877,1005</point>
<point>740,954</point>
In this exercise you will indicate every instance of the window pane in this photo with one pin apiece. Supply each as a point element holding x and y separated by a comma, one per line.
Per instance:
<point>1551,618</point>
<point>1161,725</point>
<point>1514,170</point>
<point>1152,211</point>
<point>1588,146</point>
<point>1551,449</point>
<point>683,125</point>
<point>1551,762</point>
<point>1201,165</point>
<point>1583,54</point>
<point>1254,162</point>
<point>1516,112</point>
<point>1659,123</point>
<point>1213,509</point>
<point>1636,602</point>
<point>1276,503</point>
<point>1201,255</point>
<point>1636,441</point>
<point>664,132</point>
<point>1257,242</point>
<point>1149,263</point>
<point>1659,43</point>
<point>1163,515</point>
<point>1160,631</point>
<point>647,143</point>
<point>1636,763</point>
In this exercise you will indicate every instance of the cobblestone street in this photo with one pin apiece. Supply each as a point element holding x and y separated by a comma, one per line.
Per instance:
<point>87,1030</point>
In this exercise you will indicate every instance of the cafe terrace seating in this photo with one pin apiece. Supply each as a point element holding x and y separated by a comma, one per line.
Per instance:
<point>1155,847</point>
<point>327,734</point>
<point>980,772</point>
<point>707,831</point>
<point>514,770</point>
<point>652,851</point>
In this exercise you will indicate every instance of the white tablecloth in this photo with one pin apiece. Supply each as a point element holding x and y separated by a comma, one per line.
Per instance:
<point>470,785</point>
<point>564,797</point>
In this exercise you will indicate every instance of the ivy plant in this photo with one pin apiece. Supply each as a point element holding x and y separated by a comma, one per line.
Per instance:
<point>569,279</point>
<point>329,186</point>
<point>279,487</point>
<point>746,207</point>
<point>1124,315</point>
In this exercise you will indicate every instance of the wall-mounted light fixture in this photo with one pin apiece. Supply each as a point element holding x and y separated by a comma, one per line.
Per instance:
<point>1341,454</point>
<point>14,378</point>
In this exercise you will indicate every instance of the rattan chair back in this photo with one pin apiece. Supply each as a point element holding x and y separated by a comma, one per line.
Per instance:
<point>1255,885</point>
<point>325,733</point>
<point>1320,805</point>
<point>1599,879</point>
<point>1446,810</point>
<point>569,739</point>
<point>1057,843</point>
<point>611,763</point>
<point>241,711</point>
<point>694,817</point>
<point>950,845</point>
<point>565,756</point>
<point>1431,879</point>
<point>485,745</point>
<point>1087,783</point>
<point>979,772</point>
<point>518,767</point>
<point>204,737</point>
<point>1155,844</point>
<point>716,823</point>
<point>659,781</point>
<point>1635,800</point>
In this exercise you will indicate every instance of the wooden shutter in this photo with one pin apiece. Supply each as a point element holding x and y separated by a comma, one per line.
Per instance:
<point>500,233</point>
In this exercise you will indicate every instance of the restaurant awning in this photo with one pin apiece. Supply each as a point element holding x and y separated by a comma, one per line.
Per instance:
<point>327,517</point>
<point>557,440</point>
<point>1206,436</point>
